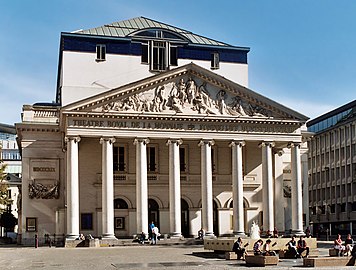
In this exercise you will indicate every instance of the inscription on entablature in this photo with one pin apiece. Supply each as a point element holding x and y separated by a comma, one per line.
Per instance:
<point>176,125</point>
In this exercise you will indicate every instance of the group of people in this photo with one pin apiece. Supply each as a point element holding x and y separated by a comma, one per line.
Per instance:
<point>348,248</point>
<point>153,234</point>
<point>265,249</point>
<point>298,247</point>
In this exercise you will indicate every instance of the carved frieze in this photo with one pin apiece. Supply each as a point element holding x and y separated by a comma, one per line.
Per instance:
<point>187,97</point>
<point>42,191</point>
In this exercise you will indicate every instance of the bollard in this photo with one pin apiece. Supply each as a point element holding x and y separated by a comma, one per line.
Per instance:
<point>36,241</point>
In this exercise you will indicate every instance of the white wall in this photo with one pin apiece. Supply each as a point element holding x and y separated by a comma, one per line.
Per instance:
<point>84,77</point>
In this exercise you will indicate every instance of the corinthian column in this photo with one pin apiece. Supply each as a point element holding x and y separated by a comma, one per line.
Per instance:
<point>72,187</point>
<point>267,186</point>
<point>207,186</point>
<point>174,188</point>
<point>107,188</point>
<point>237,187</point>
<point>141,185</point>
<point>297,199</point>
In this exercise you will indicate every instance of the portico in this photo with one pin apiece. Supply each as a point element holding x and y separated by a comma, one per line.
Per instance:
<point>146,142</point>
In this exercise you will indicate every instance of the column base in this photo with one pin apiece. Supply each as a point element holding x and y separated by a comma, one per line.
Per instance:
<point>298,233</point>
<point>176,235</point>
<point>239,234</point>
<point>108,237</point>
<point>209,235</point>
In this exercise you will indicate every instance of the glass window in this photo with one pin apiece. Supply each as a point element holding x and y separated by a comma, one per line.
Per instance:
<point>158,56</point>
<point>151,159</point>
<point>119,159</point>
<point>215,60</point>
<point>86,221</point>
<point>100,52</point>
<point>173,56</point>
<point>144,56</point>
<point>183,158</point>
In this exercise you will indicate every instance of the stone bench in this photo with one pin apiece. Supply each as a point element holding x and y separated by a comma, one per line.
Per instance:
<point>333,252</point>
<point>286,254</point>
<point>259,260</point>
<point>328,261</point>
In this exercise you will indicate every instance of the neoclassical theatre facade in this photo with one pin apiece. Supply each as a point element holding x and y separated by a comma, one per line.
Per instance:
<point>174,142</point>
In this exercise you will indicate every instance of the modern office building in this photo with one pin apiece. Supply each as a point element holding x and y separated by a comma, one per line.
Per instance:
<point>332,171</point>
<point>156,123</point>
<point>10,155</point>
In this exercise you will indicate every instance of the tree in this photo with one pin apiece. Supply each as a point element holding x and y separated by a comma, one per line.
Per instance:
<point>4,195</point>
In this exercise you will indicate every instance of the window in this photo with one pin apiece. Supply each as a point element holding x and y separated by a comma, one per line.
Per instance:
<point>119,159</point>
<point>159,55</point>
<point>151,159</point>
<point>213,159</point>
<point>215,60</point>
<point>100,52</point>
<point>31,224</point>
<point>183,159</point>
<point>173,56</point>
<point>86,221</point>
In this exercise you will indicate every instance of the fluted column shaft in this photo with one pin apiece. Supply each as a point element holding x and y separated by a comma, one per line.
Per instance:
<point>107,188</point>
<point>297,198</point>
<point>174,188</point>
<point>141,185</point>
<point>72,187</point>
<point>237,187</point>
<point>267,186</point>
<point>207,186</point>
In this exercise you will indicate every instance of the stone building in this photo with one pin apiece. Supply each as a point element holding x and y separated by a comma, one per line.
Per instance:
<point>332,171</point>
<point>155,123</point>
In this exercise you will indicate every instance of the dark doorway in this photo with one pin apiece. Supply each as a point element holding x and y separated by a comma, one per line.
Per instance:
<point>153,212</point>
<point>185,218</point>
<point>215,219</point>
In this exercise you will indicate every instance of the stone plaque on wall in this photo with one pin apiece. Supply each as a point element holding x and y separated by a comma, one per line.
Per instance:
<point>44,179</point>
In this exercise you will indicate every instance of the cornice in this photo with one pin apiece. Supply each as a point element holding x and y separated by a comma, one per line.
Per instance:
<point>176,117</point>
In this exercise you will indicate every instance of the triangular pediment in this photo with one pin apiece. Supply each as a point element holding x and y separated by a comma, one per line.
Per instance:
<point>187,91</point>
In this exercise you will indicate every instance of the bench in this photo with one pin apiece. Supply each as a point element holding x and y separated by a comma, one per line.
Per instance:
<point>329,261</point>
<point>259,260</point>
<point>333,252</point>
<point>286,254</point>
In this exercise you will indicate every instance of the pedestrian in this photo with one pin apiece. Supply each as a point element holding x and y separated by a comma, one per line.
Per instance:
<point>348,244</point>
<point>238,249</point>
<point>292,247</point>
<point>155,235</point>
<point>150,227</point>
<point>267,249</point>
<point>339,246</point>
<point>301,246</point>
<point>257,247</point>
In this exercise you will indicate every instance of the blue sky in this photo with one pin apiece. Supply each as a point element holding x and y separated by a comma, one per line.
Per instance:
<point>303,53</point>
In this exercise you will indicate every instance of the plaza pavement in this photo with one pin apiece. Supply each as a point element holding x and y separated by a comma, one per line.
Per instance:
<point>131,256</point>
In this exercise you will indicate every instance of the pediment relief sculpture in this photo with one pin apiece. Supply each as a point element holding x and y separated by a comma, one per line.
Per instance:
<point>186,97</point>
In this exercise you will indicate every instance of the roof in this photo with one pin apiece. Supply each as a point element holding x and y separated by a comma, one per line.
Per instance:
<point>129,27</point>
<point>10,129</point>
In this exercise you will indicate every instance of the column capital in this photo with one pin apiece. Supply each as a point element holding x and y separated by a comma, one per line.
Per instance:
<point>109,139</point>
<point>76,139</point>
<point>237,143</point>
<point>174,141</point>
<point>266,143</point>
<point>293,144</point>
<point>141,140</point>
<point>206,141</point>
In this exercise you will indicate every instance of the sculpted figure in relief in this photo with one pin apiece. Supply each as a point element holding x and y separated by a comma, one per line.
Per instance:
<point>220,101</point>
<point>159,101</point>
<point>191,89</point>
<point>202,100</point>
<point>174,101</point>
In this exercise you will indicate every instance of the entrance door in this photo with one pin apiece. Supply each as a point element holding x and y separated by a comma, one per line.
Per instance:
<point>185,218</point>
<point>153,212</point>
